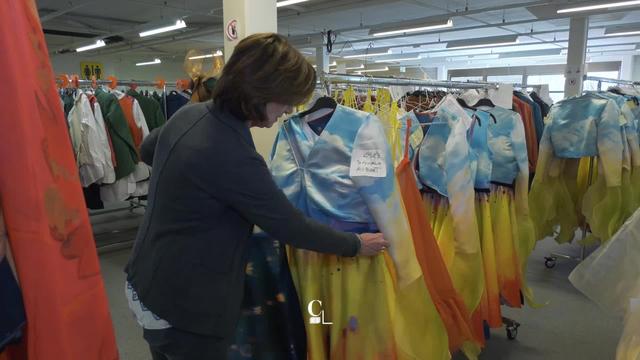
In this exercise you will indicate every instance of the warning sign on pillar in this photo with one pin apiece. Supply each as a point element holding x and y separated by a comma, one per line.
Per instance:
<point>232,30</point>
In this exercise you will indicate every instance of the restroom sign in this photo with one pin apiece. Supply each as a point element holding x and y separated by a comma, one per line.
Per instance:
<point>90,68</point>
<point>231,30</point>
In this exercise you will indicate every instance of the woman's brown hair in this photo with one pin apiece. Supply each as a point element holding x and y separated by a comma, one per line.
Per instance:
<point>263,68</point>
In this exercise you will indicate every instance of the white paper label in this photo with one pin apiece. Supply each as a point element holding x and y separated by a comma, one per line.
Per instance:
<point>503,96</point>
<point>370,163</point>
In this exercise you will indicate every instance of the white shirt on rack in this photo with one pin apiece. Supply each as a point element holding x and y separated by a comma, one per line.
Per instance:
<point>90,143</point>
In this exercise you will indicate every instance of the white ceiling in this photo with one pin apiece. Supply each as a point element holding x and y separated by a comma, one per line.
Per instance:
<point>536,23</point>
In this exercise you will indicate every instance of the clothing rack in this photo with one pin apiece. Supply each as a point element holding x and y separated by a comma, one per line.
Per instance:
<point>511,326</point>
<point>329,79</point>
<point>134,203</point>
<point>600,80</point>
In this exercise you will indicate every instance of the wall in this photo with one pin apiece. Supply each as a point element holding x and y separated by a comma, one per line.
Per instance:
<point>120,67</point>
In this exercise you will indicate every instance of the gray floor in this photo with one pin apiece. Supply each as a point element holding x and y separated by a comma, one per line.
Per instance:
<point>569,327</point>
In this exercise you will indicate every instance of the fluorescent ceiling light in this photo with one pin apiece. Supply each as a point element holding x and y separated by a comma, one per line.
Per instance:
<point>473,57</point>
<point>217,53</point>
<point>623,33</point>
<point>98,44</point>
<point>289,2</point>
<point>386,68</point>
<point>400,59</point>
<point>369,53</point>
<point>333,64</point>
<point>180,24</point>
<point>408,28</point>
<point>155,61</point>
<point>622,30</point>
<point>355,67</point>
<point>530,53</point>
<point>599,6</point>
<point>483,42</point>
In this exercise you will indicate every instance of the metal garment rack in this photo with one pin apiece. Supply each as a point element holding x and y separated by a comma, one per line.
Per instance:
<point>328,79</point>
<point>511,326</point>
<point>550,261</point>
<point>600,80</point>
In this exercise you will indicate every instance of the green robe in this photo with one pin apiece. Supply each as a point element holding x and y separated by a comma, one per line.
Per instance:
<point>121,138</point>
<point>150,108</point>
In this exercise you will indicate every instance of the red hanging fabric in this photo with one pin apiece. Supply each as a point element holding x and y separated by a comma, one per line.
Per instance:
<point>41,198</point>
<point>448,302</point>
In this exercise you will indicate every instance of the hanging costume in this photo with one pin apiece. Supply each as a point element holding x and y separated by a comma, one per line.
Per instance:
<point>443,162</point>
<point>512,226</point>
<point>446,298</point>
<point>344,177</point>
<point>580,127</point>
<point>46,220</point>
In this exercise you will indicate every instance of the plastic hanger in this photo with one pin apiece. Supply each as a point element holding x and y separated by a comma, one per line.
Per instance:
<point>324,102</point>
<point>484,102</point>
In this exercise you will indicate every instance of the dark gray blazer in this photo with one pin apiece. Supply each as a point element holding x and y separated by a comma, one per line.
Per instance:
<point>209,187</point>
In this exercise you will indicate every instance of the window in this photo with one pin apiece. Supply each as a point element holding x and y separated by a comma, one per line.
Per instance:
<point>555,82</point>
<point>505,79</point>
<point>593,85</point>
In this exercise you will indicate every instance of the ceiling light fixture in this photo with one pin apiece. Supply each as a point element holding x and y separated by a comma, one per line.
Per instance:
<point>530,53</point>
<point>289,2</point>
<point>355,67</point>
<point>369,53</point>
<point>180,24</point>
<point>98,44</point>
<point>599,6</point>
<point>622,30</point>
<point>217,53</point>
<point>483,42</point>
<point>414,26</point>
<point>155,61</point>
<point>399,59</point>
<point>623,33</point>
<point>386,68</point>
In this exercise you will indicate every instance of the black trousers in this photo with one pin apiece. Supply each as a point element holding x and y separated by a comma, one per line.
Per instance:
<point>174,344</point>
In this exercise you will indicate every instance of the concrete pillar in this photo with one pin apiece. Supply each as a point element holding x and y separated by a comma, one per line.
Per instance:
<point>576,56</point>
<point>627,67</point>
<point>322,60</point>
<point>442,72</point>
<point>251,17</point>
<point>635,75</point>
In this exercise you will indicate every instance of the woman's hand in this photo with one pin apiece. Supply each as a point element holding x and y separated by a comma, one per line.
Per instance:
<point>372,244</point>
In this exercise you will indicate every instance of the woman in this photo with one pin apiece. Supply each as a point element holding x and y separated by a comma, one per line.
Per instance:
<point>208,189</point>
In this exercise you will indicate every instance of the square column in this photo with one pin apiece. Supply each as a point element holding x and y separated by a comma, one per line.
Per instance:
<point>241,19</point>
<point>576,56</point>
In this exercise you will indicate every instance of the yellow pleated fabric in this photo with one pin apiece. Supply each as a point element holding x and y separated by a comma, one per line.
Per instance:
<point>505,232</point>
<point>490,303</point>
<point>466,270</point>
<point>372,318</point>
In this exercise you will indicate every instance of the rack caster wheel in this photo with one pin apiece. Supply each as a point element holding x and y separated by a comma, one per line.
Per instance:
<point>550,262</point>
<point>512,332</point>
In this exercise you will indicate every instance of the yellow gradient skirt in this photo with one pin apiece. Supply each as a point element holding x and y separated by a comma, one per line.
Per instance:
<point>490,303</point>
<point>371,317</point>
